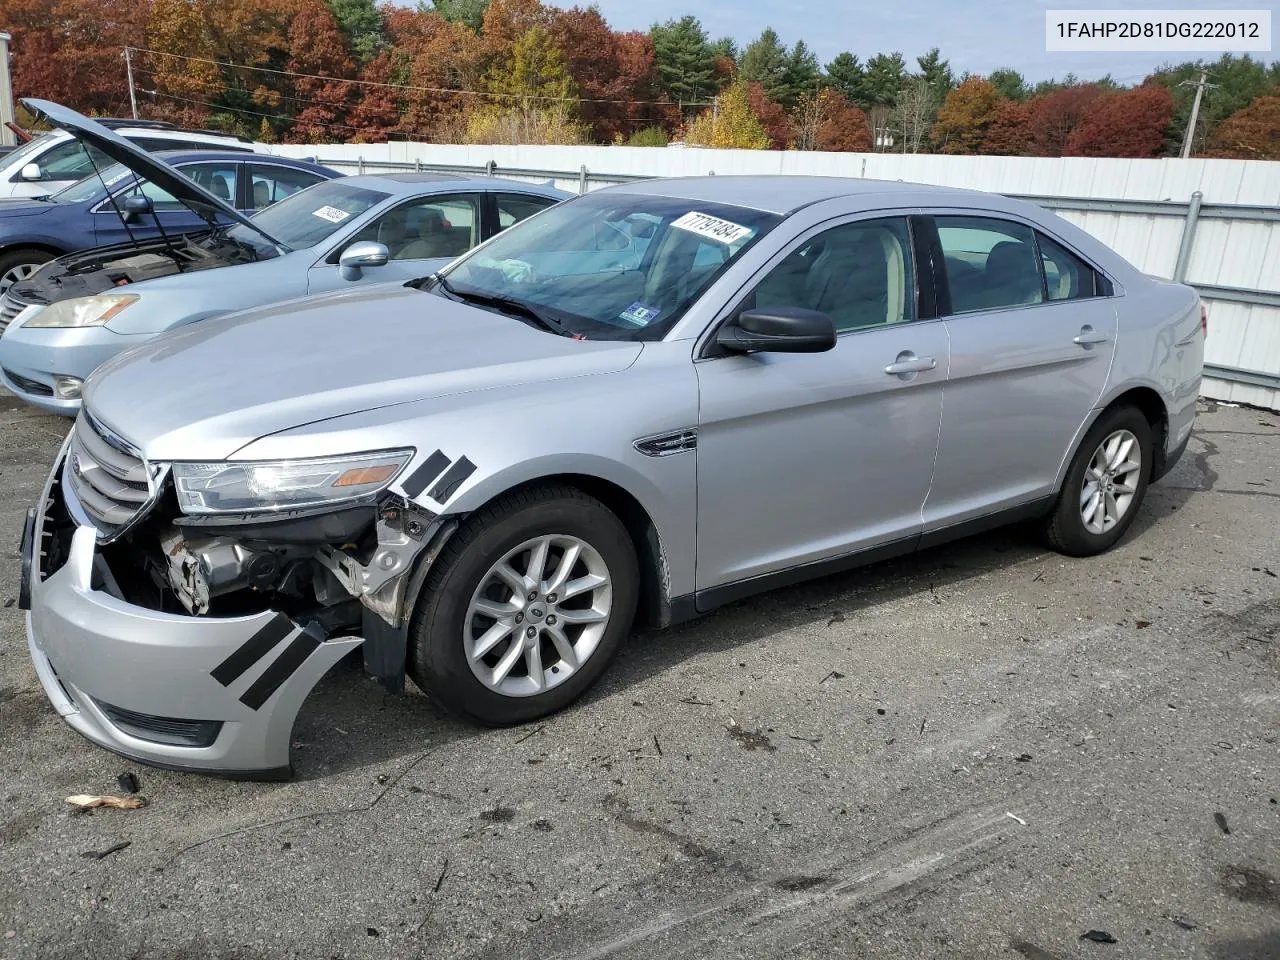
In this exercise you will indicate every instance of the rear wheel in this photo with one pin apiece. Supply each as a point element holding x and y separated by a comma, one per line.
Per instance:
<point>1105,484</point>
<point>18,265</point>
<point>525,607</point>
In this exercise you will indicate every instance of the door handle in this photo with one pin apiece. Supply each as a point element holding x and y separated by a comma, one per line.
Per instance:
<point>908,362</point>
<point>1088,337</point>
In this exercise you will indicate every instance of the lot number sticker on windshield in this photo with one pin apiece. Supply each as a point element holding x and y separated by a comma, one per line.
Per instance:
<point>713,228</point>
<point>332,214</point>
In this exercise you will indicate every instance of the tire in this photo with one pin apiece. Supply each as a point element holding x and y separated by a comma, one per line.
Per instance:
<point>1067,529</point>
<point>17,265</point>
<point>447,632</point>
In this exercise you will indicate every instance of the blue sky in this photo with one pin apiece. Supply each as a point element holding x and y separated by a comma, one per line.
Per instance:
<point>974,37</point>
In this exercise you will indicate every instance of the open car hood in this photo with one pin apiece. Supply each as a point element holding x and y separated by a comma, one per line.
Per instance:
<point>193,196</point>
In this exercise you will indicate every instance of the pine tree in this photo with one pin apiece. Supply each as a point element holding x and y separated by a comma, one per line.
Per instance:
<point>684,60</point>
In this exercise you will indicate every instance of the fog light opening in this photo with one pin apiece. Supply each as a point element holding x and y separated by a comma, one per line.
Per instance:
<point>67,388</point>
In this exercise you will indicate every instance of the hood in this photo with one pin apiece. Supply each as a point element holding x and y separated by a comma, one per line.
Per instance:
<point>205,391</point>
<point>187,191</point>
<point>24,207</point>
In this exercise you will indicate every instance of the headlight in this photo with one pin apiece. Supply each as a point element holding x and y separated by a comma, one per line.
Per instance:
<point>82,311</point>
<point>263,485</point>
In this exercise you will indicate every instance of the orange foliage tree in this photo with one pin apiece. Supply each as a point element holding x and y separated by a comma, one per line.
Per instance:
<point>965,116</point>
<point>1127,124</point>
<point>1251,133</point>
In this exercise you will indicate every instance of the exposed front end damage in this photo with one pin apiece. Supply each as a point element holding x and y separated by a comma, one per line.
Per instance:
<point>191,643</point>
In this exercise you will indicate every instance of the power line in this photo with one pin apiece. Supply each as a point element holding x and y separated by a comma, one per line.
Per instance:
<point>410,87</point>
<point>252,113</point>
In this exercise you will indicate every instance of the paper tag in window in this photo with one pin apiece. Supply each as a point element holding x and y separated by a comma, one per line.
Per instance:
<point>639,315</point>
<point>332,214</point>
<point>713,228</point>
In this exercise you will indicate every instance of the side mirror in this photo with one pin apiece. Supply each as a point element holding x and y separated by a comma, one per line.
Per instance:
<point>778,330</point>
<point>356,257</point>
<point>31,171</point>
<point>136,207</point>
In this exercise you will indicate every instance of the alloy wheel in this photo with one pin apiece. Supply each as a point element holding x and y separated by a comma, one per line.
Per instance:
<point>537,616</point>
<point>1110,481</point>
<point>16,274</point>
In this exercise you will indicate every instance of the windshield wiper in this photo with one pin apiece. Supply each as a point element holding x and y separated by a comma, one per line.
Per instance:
<point>510,305</point>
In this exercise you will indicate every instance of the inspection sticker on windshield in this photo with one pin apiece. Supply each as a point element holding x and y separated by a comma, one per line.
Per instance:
<point>639,315</point>
<point>332,214</point>
<point>713,228</point>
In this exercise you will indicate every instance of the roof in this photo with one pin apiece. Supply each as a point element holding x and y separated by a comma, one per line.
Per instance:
<point>408,184</point>
<point>785,194</point>
<point>234,156</point>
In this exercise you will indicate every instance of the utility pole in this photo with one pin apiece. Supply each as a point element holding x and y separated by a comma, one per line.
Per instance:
<point>1195,111</point>
<point>133,95</point>
<point>6,92</point>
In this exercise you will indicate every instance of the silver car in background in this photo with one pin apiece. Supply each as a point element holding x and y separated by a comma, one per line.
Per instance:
<point>84,308</point>
<point>648,401</point>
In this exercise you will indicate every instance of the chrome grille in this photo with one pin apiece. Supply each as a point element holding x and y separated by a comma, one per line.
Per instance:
<point>10,307</point>
<point>111,481</point>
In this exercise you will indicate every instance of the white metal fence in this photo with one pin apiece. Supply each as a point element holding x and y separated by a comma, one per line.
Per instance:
<point>1212,223</point>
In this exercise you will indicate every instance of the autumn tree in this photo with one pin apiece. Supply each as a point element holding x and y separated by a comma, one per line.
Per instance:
<point>317,48</point>
<point>1128,124</point>
<point>1237,81</point>
<point>1252,133</point>
<point>436,57</point>
<point>537,100</point>
<point>71,51</point>
<point>614,71</point>
<point>773,118</point>
<point>965,115</point>
<point>730,124</point>
<point>828,121</point>
<point>1009,133</point>
<point>1054,116</point>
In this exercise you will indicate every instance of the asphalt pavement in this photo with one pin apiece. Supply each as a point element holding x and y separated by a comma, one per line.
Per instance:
<point>986,750</point>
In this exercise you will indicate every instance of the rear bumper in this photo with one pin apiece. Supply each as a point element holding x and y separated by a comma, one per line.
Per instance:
<point>215,695</point>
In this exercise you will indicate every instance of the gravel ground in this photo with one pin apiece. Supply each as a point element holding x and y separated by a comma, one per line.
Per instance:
<point>987,750</point>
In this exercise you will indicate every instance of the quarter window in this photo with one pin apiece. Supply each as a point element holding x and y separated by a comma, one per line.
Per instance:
<point>990,264</point>
<point>1066,276</point>
<point>860,275</point>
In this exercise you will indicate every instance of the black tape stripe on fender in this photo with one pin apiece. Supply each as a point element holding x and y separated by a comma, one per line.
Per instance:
<point>252,650</point>
<point>281,669</point>
<point>452,479</point>
<point>431,468</point>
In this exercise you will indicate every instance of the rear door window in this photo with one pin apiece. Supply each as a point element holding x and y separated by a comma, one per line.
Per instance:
<point>991,264</point>
<point>514,207</point>
<point>269,184</point>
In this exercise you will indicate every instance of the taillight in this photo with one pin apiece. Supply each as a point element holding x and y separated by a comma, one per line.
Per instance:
<point>1204,320</point>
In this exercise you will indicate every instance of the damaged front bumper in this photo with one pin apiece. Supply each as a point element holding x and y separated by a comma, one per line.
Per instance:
<point>209,694</point>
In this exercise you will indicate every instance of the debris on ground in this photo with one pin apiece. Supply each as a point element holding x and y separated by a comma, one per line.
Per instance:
<point>103,854</point>
<point>85,801</point>
<point>1022,758</point>
<point>1098,936</point>
<point>128,782</point>
<point>749,739</point>
<point>833,675</point>
<point>1180,921</point>
<point>1014,816</point>
<point>1221,821</point>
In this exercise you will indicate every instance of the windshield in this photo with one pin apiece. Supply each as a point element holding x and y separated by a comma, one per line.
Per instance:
<point>90,188</point>
<point>27,152</point>
<point>310,215</point>
<point>609,265</point>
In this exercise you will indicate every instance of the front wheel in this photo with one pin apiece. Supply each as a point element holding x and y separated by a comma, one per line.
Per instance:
<point>525,607</point>
<point>1105,485</point>
<point>19,265</point>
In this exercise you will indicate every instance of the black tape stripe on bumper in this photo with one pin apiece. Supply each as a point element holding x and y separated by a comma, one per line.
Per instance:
<point>252,650</point>
<point>294,655</point>
<point>452,479</point>
<point>417,481</point>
